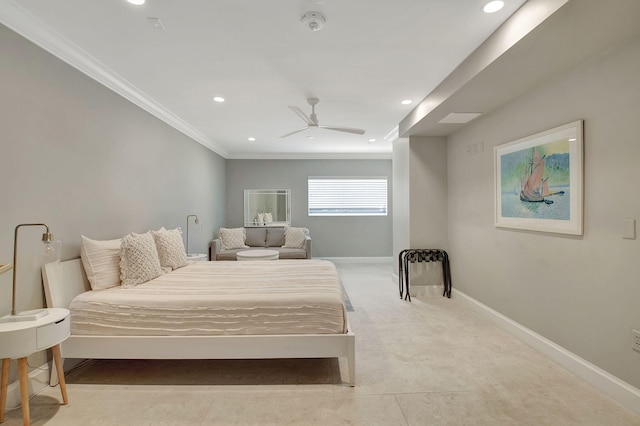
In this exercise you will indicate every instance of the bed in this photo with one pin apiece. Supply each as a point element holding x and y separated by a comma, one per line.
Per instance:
<point>208,310</point>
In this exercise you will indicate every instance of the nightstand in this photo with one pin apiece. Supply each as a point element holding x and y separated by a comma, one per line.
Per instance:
<point>200,257</point>
<point>21,339</point>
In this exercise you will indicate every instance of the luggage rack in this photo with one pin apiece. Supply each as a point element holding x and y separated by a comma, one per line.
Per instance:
<point>422,255</point>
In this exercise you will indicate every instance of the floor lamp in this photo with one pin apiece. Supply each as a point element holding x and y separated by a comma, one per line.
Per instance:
<point>50,248</point>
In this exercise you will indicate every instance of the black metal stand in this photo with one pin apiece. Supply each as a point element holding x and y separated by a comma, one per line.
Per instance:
<point>422,255</point>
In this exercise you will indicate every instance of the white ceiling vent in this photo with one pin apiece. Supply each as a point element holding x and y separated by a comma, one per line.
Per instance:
<point>459,117</point>
<point>155,23</point>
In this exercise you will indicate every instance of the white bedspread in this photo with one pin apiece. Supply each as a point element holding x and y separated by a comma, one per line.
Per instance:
<point>220,298</point>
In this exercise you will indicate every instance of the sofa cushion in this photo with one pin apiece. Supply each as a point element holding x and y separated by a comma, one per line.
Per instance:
<point>256,237</point>
<point>228,254</point>
<point>275,237</point>
<point>292,253</point>
<point>284,253</point>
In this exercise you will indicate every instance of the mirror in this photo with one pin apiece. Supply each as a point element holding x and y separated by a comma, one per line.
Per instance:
<point>267,207</point>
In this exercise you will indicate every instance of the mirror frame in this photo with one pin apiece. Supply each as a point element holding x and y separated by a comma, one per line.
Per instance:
<point>251,209</point>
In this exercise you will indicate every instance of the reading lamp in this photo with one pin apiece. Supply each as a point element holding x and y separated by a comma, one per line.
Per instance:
<point>47,239</point>
<point>196,221</point>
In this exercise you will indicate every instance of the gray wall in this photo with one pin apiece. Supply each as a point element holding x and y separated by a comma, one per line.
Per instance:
<point>420,201</point>
<point>428,199</point>
<point>401,191</point>
<point>331,236</point>
<point>84,160</point>
<point>580,292</point>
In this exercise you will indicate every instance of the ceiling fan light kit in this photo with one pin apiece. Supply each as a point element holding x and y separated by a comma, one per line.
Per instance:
<point>313,21</point>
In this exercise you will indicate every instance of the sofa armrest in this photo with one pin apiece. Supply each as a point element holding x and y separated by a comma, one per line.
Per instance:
<point>214,249</point>
<point>307,246</point>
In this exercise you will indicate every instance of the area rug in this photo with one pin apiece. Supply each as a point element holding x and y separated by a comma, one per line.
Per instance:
<point>347,301</point>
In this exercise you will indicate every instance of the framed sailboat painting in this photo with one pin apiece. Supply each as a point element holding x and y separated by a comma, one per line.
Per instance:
<point>539,181</point>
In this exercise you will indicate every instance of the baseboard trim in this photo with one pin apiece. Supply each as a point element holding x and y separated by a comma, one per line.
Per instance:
<point>615,388</point>
<point>357,259</point>
<point>38,379</point>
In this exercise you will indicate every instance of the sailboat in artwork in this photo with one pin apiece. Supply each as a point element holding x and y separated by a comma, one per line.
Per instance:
<point>534,185</point>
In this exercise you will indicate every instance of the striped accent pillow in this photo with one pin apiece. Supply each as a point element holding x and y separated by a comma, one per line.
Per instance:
<point>101,261</point>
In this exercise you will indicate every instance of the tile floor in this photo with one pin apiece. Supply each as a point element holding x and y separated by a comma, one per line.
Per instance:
<point>430,362</point>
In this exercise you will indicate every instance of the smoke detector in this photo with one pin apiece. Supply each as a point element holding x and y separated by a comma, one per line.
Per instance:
<point>313,21</point>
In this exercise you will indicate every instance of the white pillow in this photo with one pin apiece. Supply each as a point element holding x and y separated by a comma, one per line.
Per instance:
<point>268,218</point>
<point>170,248</point>
<point>295,237</point>
<point>101,261</point>
<point>232,238</point>
<point>139,260</point>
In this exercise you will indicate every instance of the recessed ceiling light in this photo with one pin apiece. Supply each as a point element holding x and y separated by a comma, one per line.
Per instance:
<point>136,2</point>
<point>218,99</point>
<point>310,137</point>
<point>406,102</point>
<point>252,139</point>
<point>493,6</point>
<point>371,140</point>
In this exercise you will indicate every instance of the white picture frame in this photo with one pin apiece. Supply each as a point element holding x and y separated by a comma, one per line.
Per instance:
<point>539,181</point>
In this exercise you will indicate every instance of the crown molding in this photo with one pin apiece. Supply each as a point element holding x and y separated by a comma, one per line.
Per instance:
<point>393,134</point>
<point>38,32</point>
<point>313,156</point>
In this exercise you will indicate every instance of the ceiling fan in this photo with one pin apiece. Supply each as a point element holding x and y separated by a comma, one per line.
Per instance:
<point>312,120</point>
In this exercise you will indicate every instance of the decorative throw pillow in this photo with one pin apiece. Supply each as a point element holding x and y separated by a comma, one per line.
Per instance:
<point>101,261</point>
<point>170,248</point>
<point>232,238</point>
<point>295,237</point>
<point>139,260</point>
<point>268,218</point>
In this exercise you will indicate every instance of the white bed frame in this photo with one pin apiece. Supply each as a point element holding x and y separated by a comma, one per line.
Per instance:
<point>65,280</point>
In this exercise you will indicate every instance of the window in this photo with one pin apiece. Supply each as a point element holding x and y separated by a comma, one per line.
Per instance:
<point>347,196</point>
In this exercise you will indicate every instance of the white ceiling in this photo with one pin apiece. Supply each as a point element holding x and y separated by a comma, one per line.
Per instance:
<point>371,55</point>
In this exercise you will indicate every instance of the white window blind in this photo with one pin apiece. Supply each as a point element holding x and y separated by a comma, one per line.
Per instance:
<point>339,196</point>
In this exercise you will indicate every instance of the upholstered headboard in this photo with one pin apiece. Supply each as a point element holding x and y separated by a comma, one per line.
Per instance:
<point>63,281</point>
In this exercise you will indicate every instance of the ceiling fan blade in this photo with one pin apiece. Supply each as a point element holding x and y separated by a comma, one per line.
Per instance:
<point>301,114</point>
<point>293,133</point>
<point>344,129</point>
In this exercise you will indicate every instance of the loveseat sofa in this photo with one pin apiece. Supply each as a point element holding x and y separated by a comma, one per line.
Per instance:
<point>263,237</point>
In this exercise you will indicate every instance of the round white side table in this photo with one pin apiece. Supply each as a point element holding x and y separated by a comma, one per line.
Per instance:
<point>258,255</point>
<point>21,339</point>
